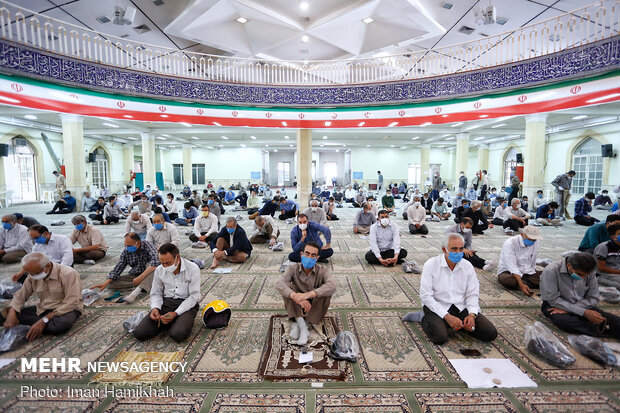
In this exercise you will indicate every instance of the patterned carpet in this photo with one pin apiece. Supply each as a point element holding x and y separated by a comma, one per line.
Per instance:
<point>399,370</point>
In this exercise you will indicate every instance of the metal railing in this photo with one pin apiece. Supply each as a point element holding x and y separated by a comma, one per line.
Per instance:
<point>588,24</point>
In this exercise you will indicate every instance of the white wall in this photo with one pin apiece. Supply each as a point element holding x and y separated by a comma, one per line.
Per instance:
<point>281,156</point>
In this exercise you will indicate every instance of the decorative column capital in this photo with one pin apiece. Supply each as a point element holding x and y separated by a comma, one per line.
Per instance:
<point>536,117</point>
<point>70,117</point>
<point>483,146</point>
<point>425,146</point>
<point>462,135</point>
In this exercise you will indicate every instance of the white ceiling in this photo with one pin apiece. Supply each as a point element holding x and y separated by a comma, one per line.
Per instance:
<point>274,28</point>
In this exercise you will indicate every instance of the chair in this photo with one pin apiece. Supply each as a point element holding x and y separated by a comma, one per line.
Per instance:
<point>48,196</point>
<point>6,198</point>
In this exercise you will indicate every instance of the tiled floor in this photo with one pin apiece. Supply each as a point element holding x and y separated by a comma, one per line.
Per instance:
<point>399,369</point>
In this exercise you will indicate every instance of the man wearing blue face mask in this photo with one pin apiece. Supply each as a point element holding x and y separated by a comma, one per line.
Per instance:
<point>517,261</point>
<point>65,205</point>
<point>92,244</point>
<point>307,231</point>
<point>231,244</point>
<point>449,291</point>
<point>307,289</point>
<point>162,232</point>
<point>142,257</point>
<point>608,256</point>
<point>14,240</point>
<point>569,290</point>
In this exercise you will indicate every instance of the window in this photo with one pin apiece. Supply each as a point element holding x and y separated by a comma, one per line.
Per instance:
<point>510,165</point>
<point>284,173</point>
<point>330,170</point>
<point>177,173</point>
<point>314,170</point>
<point>99,169</point>
<point>588,167</point>
<point>414,173</point>
<point>20,172</point>
<point>198,173</point>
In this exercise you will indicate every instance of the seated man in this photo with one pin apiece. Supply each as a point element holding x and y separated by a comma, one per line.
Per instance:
<point>439,210</point>
<point>92,244</point>
<point>144,205</point>
<point>471,194</point>
<point>87,202</point>
<point>313,197</point>
<point>162,232</point>
<point>267,194</point>
<point>159,208</point>
<point>524,203</point>
<point>253,202</point>
<point>330,208</point>
<point>142,257</point>
<point>307,289</point>
<point>97,210</point>
<point>242,198</point>
<point>25,221</point>
<point>316,214</point>
<point>486,208</point>
<point>325,194</point>
<point>445,194</point>
<point>59,291</point>
<point>288,209</point>
<point>138,223</point>
<point>265,230</point>
<point>269,208</point>
<point>608,256</point>
<point>427,203</point>
<point>417,217</point>
<point>597,233</point>
<point>186,193</point>
<point>569,291</point>
<point>501,212</point>
<point>306,231</point>
<point>14,240</point>
<point>349,194</point>
<point>603,201</point>
<point>231,244</point>
<point>464,229</point>
<point>449,291</point>
<point>387,201</point>
<point>545,214</point>
<point>385,242</point>
<point>66,205</point>
<point>171,207</point>
<point>458,212</point>
<point>538,201</point>
<point>112,212</point>
<point>373,205</point>
<point>583,207</point>
<point>359,199</point>
<point>517,261</point>
<point>205,226</point>
<point>338,198</point>
<point>229,198</point>
<point>175,294</point>
<point>190,213</point>
<point>58,248</point>
<point>125,199</point>
<point>517,217</point>
<point>363,220</point>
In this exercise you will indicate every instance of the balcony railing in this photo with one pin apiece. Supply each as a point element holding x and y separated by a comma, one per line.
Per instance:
<point>588,24</point>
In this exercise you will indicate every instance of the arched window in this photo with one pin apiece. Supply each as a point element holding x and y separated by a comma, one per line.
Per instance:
<point>588,167</point>
<point>20,171</point>
<point>510,165</point>
<point>100,169</point>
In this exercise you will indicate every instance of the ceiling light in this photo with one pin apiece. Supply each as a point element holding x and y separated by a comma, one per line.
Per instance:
<point>243,145</point>
<point>414,138</point>
<point>291,145</point>
<point>337,150</point>
<point>275,150</point>
<point>457,124</point>
<point>321,145</point>
<point>328,123</point>
<point>444,116</point>
<point>194,137</point>
<point>110,125</point>
<point>573,118</point>
<point>164,116</point>
<point>252,137</point>
<point>324,137</point>
<point>284,124</point>
<point>368,20</point>
<point>242,20</point>
<point>612,96</point>
<point>392,124</point>
<point>498,126</point>
<point>128,116</point>
<point>216,124</point>
<point>392,146</point>
<point>479,139</point>
<point>161,138</point>
<point>403,147</point>
<point>361,124</point>
<point>305,38</point>
<point>189,125</point>
<point>132,138</point>
<point>426,124</point>
<point>266,146</point>
<point>31,117</point>
<point>368,146</point>
<point>224,137</point>
<point>287,137</point>
<point>220,146</point>
<point>304,5</point>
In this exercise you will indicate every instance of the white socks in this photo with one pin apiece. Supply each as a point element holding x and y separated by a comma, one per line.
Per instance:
<point>303,331</point>
<point>134,294</point>
<point>294,331</point>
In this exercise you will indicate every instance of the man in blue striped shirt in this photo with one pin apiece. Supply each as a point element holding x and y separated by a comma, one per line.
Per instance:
<point>306,231</point>
<point>583,207</point>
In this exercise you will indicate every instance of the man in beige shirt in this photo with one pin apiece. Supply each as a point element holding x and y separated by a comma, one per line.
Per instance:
<point>162,232</point>
<point>59,290</point>
<point>138,223</point>
<point>307,289</point>
<point>265,230</point>
<point>61,183</point>
<point>92,243</point>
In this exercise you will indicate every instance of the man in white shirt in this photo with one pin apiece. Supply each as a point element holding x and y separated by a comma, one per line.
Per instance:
<point>501,212</point>
<point>517,261</point>
<point>349,194</point>
<point>138,223</point>
<point>316,214</point>
<point>14,240</point>
<point>162,232</point>
<point>416,215</point>
<point>58,248</point>
<point>171,207</point>
<point>175,294</point>
<point>265,230</point>
<point>385,242</point>
<point>517,217</point>
<point>205,226</point>
<point>449,291</point>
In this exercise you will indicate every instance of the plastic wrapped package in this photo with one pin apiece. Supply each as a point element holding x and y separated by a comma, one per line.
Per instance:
<point>543,262</point>
<point>540,340</point>
<point>411,267</point>
<point>344,347</point>
<point>609,294</point>
<point>132,322</point>
<point>13,337</point>
<point>90,296</point>
<point>278,246</point>
<point>594,349</point>
<point>8,288</point>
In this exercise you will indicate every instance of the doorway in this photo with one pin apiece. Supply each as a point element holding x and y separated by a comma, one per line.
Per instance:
<point>284,173</point>
<point>20,172</point>
<point>330,170</point>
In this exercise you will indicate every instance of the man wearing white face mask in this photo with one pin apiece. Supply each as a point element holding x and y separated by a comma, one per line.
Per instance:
<point>464,229</point>
<point>59,290</point>
<point>517,217</point>
<point>316,214</point>
<point>330,209</point>
<point>174,297</point>
<point>416,215</point>
<point>138,223</point>
<point>385,243</point>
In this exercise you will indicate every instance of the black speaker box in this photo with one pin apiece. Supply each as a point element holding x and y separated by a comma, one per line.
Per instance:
<point>607,151</point>
<point>92,157</point>
<point>519,158</point>
<point>4,149</point>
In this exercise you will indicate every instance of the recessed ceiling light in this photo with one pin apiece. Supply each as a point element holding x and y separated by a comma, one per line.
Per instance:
<point>414,138</point>
<point>368,146</point>
<point>457,124</point>
<point>304,5</point>
<point>128,116</point>
<point>194,137</point>
<point>161,138</point>
<point>164,116</point>
<point>361,124</point>
<point>498,126</point>
<point>321,145</point>
<point>392,146</point>
<point>252,137</point>
<point>305,38</point>
<point>337,150</point>
<point>243,145</point>
<point>111,125</point>
<point>287,137</point>
<point>484,116</point>
<point>266,146</point>
<point>284,124</point>
<point>31,117</point>
<point>426,124</point>
<point>392,124</point>
<point>189,125</point>
<point>479,139</point>
<point>324,137</point>
<point>216,124</point>
<point>275,150</point>
<point>573,118</point>
<point>224,137</point>
<point>368,20</point>
<point>242,20</point>
<point>291,145</point>
<point>328,123</point>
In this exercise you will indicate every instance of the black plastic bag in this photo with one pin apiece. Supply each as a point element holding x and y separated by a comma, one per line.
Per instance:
<point>12,338</point>
<point>344,347</point>
<point>8,288</point>
<point>593,348</point>
<point>540,340</point>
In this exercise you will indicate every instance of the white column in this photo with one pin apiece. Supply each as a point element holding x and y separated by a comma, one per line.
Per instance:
<point>535,153</point>
<point>74,155</point>
<point>425,150</point>
<point>304,166</point>
<point>462,155</point>
<point>187,164</point>
<point>483,157</point>
<point>148,158</point>
<point>128,161</point>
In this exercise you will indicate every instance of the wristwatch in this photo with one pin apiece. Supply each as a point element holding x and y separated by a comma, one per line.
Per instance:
<point>473,315</point>
<point>45,320</point>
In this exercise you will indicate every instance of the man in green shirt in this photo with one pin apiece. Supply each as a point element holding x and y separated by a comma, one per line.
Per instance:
<point>387,201</point>
<point>597,234</point>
